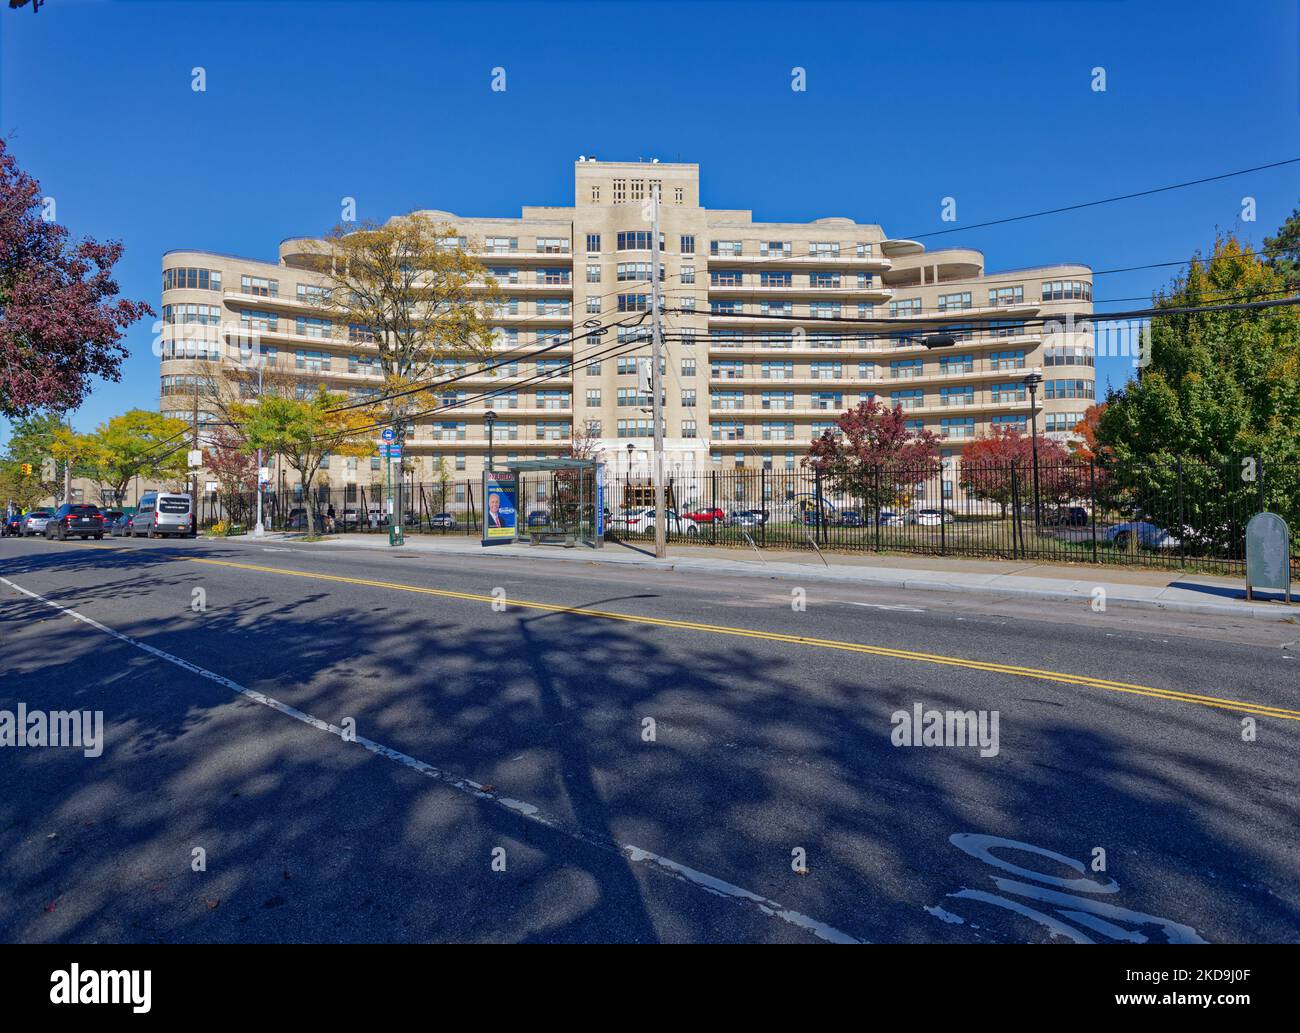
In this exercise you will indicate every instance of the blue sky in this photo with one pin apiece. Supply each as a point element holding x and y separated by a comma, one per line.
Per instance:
<point>906,103</point>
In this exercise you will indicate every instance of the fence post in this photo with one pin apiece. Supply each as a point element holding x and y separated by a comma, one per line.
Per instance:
<point>713,505</point>
<point>762,507</point>
<point>1092,491</point>
<point>817,502</point>
<point>1182,528</point>
<point>1017,543</point>
<point>943,526</point>
<point>875,478</point>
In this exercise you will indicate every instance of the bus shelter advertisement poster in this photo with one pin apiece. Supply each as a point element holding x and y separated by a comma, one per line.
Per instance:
<point>499,515</point>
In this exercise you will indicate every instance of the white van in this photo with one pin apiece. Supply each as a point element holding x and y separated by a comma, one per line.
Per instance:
<point>163,513</point>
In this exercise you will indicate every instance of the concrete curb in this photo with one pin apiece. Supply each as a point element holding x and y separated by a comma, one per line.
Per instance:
<point>1115,594</point>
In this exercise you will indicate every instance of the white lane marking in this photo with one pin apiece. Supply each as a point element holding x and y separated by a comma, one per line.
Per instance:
<point>883,606</point>
<point>634,854</point>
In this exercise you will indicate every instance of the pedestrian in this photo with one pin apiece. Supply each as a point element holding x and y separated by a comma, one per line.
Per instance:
<point>329,519</point>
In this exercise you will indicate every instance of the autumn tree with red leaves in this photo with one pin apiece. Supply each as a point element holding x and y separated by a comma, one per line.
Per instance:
<point>986,469</point>
<point>232,465</point>
<point>872,454</point>
<point>61,321</point>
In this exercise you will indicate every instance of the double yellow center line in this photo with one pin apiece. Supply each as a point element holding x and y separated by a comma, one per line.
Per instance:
<point>1222,703</point>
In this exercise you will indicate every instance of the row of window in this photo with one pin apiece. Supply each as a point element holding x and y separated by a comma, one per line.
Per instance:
<point>830,369</point>
<point>816,280</point>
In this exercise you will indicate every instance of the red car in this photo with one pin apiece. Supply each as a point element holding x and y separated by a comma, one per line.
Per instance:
<point>707,515</point>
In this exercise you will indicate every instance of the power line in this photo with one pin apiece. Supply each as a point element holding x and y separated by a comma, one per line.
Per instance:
<point>959,320</point>
<point>1104,200</point>
<point>430,385</point>
<point>985,281</point>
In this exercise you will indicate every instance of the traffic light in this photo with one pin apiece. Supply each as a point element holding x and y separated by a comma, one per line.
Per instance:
<point>27,469</point>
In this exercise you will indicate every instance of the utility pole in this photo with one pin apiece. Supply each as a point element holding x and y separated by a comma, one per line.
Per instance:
<point>194,431</point>
<point>656,380</point>
<point>67,470</point>
<point>260,530</point>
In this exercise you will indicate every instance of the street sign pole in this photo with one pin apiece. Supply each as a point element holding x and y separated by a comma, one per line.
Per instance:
<point>391,451</point>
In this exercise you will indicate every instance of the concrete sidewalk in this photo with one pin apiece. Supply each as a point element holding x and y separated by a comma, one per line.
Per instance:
<point>1124,586</point>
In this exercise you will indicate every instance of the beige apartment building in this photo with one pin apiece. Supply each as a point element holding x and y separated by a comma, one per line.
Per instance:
<point>769,333</point>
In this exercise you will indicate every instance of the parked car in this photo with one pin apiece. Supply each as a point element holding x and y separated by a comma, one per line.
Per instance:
<point>34,522</point>
<point>298,520</point>
<point>75,520</point>
<point>12,525</point>
<point>1067,516</point>
<point>538,518</point>
<point>643,521</point>
<point>121,527</point>
<point>850,518</point>
<point>161,513</point>
<point>933,517</point>
<point>888,518</point>
<point>706,515</point>
<point>748,517</point>
<point>1143,533</point>
<point>441,521</point>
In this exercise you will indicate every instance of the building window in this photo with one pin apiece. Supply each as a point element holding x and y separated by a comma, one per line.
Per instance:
<point>593,397</point>
<point>191,279</point>
<point>552,246</point>
<point>593,272</point>
<point>726,247</point>
<point>679,195</point>
<point>637,240</point>
<point>688,244</point>
<point>688,367</point>
<point>953,302</point>
<point>595,193</point>
<point>688,398</point>
<point>1007,295</point>
<point>620,190</point>
<point>905,307</point>
<point>260,286</point>
<point>774,248</point>
<point>593,243</point>
<point>1067,290</point>
<point>633,302</point>
<point>501,245</point>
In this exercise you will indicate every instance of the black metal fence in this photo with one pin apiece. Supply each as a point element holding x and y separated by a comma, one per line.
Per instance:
<point>1170,513</point>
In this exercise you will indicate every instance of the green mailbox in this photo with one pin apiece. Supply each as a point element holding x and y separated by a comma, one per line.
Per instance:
<point>1268,554</point>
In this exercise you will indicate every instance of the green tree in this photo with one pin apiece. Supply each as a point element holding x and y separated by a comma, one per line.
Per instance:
<point>1219,386</point>
<point>1284,249</point>
<point>304,431</point>
<point>138,443</point>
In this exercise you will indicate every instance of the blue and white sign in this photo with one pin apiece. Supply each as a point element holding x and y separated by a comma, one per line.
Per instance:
<point>388,434</point>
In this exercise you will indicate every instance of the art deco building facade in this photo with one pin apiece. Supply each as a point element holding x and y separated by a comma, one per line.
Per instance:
<point>764,344</point>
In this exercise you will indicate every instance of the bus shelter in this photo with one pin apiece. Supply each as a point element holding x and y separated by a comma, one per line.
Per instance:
<point>549,501</point>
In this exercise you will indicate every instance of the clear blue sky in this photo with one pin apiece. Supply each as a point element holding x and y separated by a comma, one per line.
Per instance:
<point>990,103</point>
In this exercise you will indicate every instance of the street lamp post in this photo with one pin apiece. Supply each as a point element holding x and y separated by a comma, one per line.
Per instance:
<point>490,418</point>
<point>259,530</point>
<point>1032,381</point>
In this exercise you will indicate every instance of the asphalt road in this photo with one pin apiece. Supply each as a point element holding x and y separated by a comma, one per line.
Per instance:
<point>231,676</point>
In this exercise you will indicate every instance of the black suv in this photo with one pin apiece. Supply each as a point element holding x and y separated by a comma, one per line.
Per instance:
<point>75,521</point>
